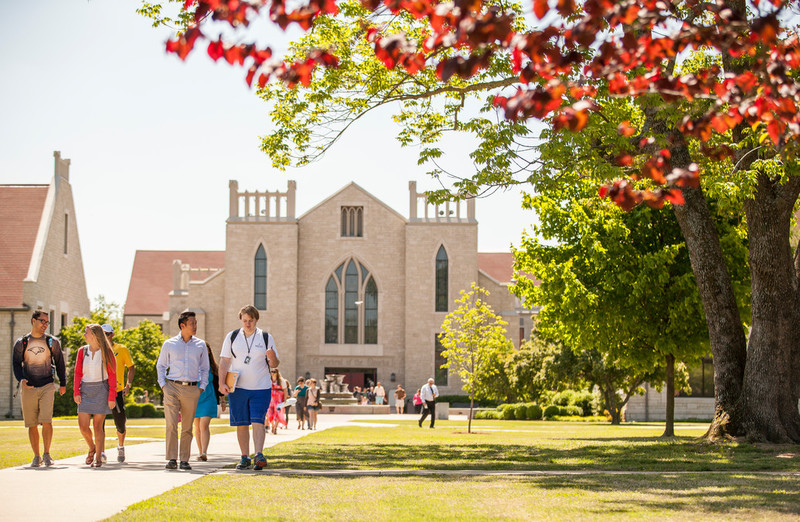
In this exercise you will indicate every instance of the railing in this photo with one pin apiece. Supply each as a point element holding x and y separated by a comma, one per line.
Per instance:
<point>262,206</point>
<point>448,212</point>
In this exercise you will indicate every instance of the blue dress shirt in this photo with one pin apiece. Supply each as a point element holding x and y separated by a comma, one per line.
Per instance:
<point>186,361</point>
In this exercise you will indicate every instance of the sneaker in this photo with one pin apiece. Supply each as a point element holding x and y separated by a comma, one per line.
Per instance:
<point>185,466</point>
<point>47,459</point>
<point>103,457</point>
<point>244,463</point>
<point>121,454</point>
<point>259,462</point>
<point>36,462</point>
<point>172,464</point>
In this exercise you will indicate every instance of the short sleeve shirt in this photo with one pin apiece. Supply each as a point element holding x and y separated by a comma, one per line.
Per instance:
<point>123,357</point>
<point>253,375</point>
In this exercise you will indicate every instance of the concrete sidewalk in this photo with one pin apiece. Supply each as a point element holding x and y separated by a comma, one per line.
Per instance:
<point>71,490</point>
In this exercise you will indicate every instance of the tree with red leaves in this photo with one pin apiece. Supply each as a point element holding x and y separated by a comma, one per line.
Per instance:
<point>729,123</point>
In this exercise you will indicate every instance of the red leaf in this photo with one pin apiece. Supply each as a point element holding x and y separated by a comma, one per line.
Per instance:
<point>674,196</point>
<point>540,8</point>
<point>625,129</point>
<point>216,50</point>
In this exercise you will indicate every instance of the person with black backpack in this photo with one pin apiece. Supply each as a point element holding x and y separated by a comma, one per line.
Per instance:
<point>247,355</point>
<point>36,357</point>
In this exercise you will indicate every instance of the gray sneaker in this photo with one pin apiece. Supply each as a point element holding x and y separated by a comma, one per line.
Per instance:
<point>103,457</point>
<point>121,454</point>
<point>36,462</point>
<point>47,459</point>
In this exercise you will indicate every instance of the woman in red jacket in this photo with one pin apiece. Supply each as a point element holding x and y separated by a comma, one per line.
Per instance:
<point>95,368</point>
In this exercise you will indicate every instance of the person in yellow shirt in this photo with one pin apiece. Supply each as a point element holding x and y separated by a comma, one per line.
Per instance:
<point>124,360</point>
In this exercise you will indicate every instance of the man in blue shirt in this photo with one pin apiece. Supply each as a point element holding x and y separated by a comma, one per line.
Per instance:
<point>182,369</point>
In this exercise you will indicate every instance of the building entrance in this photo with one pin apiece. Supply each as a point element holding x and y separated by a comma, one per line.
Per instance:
<point>361,377</point>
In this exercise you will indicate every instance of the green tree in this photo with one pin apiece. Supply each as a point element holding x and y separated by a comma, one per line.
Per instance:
<point>528,369</point>
<point>474,337</point>
<point>618,286</point>
<point>144,341</point>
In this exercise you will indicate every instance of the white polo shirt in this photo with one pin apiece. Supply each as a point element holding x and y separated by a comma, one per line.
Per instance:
<point>253,375</point>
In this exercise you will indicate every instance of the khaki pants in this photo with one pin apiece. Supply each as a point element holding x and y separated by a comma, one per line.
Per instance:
<point>179,400</point>
<point>37,404</point>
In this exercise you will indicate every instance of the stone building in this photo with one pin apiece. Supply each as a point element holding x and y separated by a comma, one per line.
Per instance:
<point>40,265</point>
<point>350,287</point>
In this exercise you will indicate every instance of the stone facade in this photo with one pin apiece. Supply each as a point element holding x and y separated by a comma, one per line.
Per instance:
<point>652,406</point>
<point>303,253</point>
<point>54,281</point>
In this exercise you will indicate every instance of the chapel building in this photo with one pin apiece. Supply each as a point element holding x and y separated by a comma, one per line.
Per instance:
<point>350,287</point>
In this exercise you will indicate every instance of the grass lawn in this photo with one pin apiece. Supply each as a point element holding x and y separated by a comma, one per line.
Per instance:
<point>15,449</point>
<point>732,492</point>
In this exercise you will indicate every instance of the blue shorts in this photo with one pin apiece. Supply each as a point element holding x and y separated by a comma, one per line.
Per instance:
<point>248,406</point>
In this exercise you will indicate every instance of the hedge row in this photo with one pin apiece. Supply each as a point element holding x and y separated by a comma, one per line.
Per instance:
<point>528,411</point>
<point>146,410</point>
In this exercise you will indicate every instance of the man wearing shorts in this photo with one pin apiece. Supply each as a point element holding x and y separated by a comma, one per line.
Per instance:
<point>250,352</point>
<point>35,355</point>
<point>123,357</point>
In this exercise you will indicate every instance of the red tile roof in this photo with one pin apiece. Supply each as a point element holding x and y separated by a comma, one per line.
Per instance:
<point>498,265</point>
<point>151,280</point>
<point>20,213</point>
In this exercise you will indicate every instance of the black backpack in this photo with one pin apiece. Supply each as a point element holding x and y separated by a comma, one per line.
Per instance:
<point>236,332</point>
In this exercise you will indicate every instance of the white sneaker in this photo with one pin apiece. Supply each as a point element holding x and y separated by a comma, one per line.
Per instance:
<point>121,454</point>
<point>103,457</point>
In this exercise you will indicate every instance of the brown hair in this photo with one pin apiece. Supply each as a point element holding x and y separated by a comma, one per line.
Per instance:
<point>105,348</point>
<point>212,364</point>
<point>250,310</point>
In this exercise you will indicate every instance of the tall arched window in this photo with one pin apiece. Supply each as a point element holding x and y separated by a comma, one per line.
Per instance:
<point>441,280</point>
<point>351,305</point>
<point>260,279</point>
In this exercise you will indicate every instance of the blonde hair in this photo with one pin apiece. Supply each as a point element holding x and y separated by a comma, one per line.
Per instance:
<point>105,348</point>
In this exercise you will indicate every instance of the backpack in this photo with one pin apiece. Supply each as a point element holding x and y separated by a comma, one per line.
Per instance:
<point>236,332</point>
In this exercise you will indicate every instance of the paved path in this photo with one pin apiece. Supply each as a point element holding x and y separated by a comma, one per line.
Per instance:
<point>61,492</point>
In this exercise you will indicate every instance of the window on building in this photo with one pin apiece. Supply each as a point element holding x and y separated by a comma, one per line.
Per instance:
<point>352,221</point>
<point>701,379</point>
<point>63,320</point>
<point>351,305</point>
<point>52,319</point>
<point>441,280</point>
<point>260,279</point>
<point>66,232</point>
<point>439,373</point>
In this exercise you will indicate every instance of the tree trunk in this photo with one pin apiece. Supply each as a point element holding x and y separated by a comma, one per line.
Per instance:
<point>669,428</point>
<point>612,407</point>
<point>469,420</point>
<point>770,387</point>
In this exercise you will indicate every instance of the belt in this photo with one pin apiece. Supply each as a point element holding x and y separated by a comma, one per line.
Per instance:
<point>184,383</point>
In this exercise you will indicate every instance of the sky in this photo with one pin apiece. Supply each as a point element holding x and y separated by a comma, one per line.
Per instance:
<point>153,141</point>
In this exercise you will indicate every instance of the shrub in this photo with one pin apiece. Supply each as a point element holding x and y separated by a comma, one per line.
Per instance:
<point>520,412</point>
<point>534,412</point>
<point>551,411</point>
<point>148,410</point>
<point>487,414</point>
<point>507,412</point>
<point>570,411</point>
<point>133,411</point>
<point>584,400</point>
<point>564,398</point>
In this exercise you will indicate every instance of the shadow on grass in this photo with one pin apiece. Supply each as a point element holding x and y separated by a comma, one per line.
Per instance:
<point>626,455</point>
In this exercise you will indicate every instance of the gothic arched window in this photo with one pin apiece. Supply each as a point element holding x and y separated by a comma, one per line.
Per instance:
<point>260,279</point>
<point>441,280</point>
<point>351,305</point>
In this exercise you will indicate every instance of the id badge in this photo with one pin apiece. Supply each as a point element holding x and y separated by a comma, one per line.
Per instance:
<point>247,360</point>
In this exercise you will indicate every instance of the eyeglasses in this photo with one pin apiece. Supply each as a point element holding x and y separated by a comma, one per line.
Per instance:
<point>273,371</point>
<point>43,321</point>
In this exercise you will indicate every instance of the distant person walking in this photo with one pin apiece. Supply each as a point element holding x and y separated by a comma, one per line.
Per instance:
<point>207,408</point>
<point>380,394</point>
<point>399,399</point>
<point>251,352</point>
<point>313,404</point>
<point>182,369</point>
<point>429,393</point>
<point>417,400</point>
<point>123,387</point>
<point>95,390</point>
<point>302,401</point>
<point>277,416</point>
<point>35,356</point>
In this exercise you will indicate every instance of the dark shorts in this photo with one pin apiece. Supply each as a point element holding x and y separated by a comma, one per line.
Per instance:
<point>248,406</point>
<point>118,411</point>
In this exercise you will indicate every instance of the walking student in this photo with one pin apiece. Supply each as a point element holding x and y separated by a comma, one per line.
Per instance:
<point>251,353</point>
<point>279,393</point>
<point>300,394</point>
<point>428,394</point>
<point>123,387</point>
<point>207,408</point>
<point>313,404</point>
<point>182,369</point>
<point>35,356</point>
<point>399,399</point>
<point>95,390</point>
